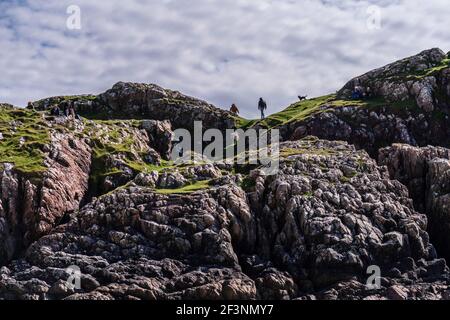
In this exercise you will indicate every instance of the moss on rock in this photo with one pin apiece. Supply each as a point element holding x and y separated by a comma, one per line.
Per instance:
<point>24,133</point>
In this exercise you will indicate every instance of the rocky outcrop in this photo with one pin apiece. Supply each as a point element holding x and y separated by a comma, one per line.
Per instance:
<point>426,172</point>
<point>146,101</point>
<point>93,208</point>
<point>416,77</point>
<point>329,214</point>
<point>136,243</point>
<point>80,160</point>
<point>333,214</point>
<point>369,129</point>
<point>120,151</point>
<point>153,102</point>
<point>408,102</point>
<point>374,128</point>
<point>31,207</point>
<point>85,104</point>
<point>160,136</point>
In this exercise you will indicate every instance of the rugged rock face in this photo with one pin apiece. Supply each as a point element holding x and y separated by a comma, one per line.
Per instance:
<point>329,214</point>
<point>369,129</point>
<point>160,136</point>
<point>426,172</point>
<point>146,101</point>
<point>408,102</point>
<point>416,77</point>
<point>84,103</point>
<point>332,213</point>
<point>154,102</point>
<point>102,196</point>
<point>120,151</point>
<point>81,159</point>
<point>31,207</point>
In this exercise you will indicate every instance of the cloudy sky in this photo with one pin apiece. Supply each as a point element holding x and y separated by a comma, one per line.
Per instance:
<point>223,51</point>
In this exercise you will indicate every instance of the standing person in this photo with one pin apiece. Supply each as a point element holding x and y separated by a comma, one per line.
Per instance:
<point>55,111</point>
<point>72,111</point>
<point>66,109</point>
<point>262,106</point>
<point>234,109</point>
<point>357,93</point>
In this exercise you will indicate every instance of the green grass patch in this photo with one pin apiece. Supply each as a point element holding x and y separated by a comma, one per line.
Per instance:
<point>296,112</point>
<point>242,123</point>
<point>429,72</point>
<point>23,142</point>
<point>190,188</point>
<point>302,110</point>
<point>115,139</point>
<point>309,194</point>
<point>248,184</point>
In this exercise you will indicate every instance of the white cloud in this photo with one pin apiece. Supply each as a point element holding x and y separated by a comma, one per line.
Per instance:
<point>223,51</point>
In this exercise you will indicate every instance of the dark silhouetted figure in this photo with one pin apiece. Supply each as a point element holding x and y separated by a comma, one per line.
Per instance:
<point>234,109</point>
<point>66,109</point>
<point>56,112</point>
<point>357,93</point>
<point>302,98</point>
<point>72,113</point>
<point>262,106</point>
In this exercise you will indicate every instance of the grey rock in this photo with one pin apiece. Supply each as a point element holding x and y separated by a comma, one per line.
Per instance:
<point>397,293</point>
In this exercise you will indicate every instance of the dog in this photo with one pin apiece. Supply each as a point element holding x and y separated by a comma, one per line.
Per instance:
<point>302,98</point>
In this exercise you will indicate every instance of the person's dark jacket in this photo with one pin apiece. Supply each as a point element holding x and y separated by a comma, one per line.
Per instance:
<point>262,105</point>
